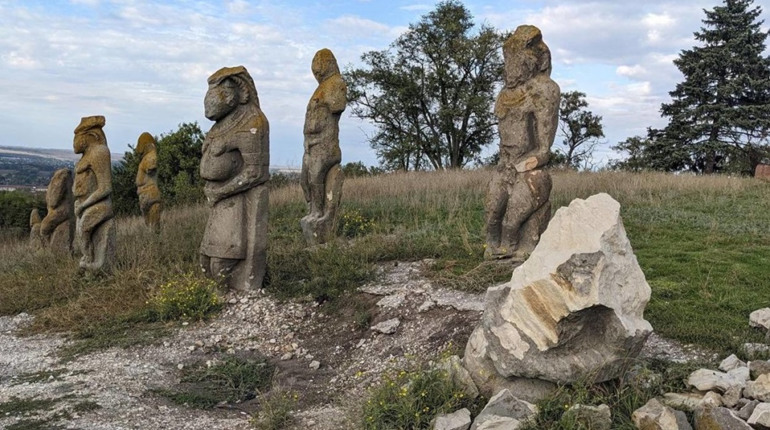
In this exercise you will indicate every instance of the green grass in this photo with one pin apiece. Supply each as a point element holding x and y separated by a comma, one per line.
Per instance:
<point>702,242</point>
<point>233,380</point>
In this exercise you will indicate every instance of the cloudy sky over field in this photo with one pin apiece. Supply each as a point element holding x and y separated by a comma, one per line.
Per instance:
<point>144,64</point>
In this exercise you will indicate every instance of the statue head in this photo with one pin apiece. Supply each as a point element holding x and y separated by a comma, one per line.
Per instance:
<point>229,87</point>
<point>525,55</point>
<point>89,132</point>
<point>145,144</point>
<point>324,65</point>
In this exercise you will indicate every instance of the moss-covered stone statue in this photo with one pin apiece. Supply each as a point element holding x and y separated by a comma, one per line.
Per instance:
<point>92,189</point>
<point>147,181</point>
<point>517,205</point>
<point>321,176</point>
<point>235,167</point>
<point>58,226</point>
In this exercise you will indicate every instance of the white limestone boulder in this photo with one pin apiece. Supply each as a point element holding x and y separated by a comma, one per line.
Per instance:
<point>574,310</point>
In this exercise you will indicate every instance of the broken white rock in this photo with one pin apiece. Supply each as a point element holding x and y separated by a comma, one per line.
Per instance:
<point>458,420</point>
<point>760,318</point>
<point>684,401</point>
<point>573,310</point>
<point>656,416</point>
<point>315,365</point>
<point>504,409</point>
<point>730,363</point>
<point>387,327</point>
<point>760,416</point>
<point>392,301</point>
<point>712,380</point>
<point>758,389</point>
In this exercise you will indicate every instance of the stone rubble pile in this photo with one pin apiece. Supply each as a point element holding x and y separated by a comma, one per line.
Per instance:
<point>736,396</point>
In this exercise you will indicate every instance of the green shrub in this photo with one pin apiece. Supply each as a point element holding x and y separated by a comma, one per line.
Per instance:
<point>187,297</point>
<point>410,400</point>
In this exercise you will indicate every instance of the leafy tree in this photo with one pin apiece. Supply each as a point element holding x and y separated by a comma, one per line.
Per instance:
<point>721,112</point>
<point>179,158</point>
<point>579,127</point>
<point>179,155</point>
<point>431,94</point>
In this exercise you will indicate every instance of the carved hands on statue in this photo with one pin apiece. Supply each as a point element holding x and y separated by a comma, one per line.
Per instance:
<point>212,196</point>
<point>526,165</point>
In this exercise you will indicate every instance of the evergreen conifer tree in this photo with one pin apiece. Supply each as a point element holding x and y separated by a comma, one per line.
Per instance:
<point>721,112</point>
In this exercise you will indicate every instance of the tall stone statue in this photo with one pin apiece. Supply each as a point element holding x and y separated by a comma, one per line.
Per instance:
<point>92,189</point>
<point>58,226</point>
<point>35,238</point>
<point>321,177</point>
<point>147,181</point>
<point>235,166</point>
<point>517,205</point>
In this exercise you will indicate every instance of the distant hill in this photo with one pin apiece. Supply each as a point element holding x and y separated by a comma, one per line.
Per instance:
<point>33,167</point>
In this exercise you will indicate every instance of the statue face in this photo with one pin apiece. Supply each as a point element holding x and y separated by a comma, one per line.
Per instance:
<point>81,142</point>
<point>220,100</point>
<point>520,68</point>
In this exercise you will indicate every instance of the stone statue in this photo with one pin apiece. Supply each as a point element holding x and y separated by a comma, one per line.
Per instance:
<point>322,177</point>
<point>235,167</point>
<point>35,238</point>
<point>147,181</point>
<point>58,227</point>
<point>92,189</point>
<point>517,204</point>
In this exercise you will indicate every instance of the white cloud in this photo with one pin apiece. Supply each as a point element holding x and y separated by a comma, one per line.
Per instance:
<point>417,7</point>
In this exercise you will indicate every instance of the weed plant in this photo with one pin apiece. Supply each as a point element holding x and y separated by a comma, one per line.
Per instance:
<point>188,297</point>
<point>275,411</point>
<point>410,400</point>
<point>233,380</point>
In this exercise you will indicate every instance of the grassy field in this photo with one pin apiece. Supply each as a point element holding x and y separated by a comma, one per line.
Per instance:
<point>703,243</point>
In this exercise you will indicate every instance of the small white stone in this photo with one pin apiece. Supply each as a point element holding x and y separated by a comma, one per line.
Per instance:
<point>180,366</point>
<point>315,365</point>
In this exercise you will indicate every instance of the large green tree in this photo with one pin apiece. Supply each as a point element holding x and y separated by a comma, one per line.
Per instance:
<point>179,155</point>
<point>430,94</point>
<point>721,111</point>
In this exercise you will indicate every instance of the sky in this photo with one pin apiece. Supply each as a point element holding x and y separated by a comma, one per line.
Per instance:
<point>143,64</point>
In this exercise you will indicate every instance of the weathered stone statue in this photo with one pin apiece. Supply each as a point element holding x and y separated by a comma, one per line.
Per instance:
<point>58,226</point>
<point>321,176</point>
<point>147,181</point>
<point>518,206</point>
<point>92,189</point>
<point>235,167</point>
<point>35,238</point>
